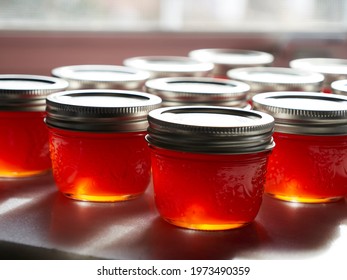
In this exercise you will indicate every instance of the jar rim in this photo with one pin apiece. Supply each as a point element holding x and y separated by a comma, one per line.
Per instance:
<point>160,66</point>
<point>198,89</point>
<point>210,129</point>
<point>100,75</point>
<point>232,57</point>
<point>22,92</point>
<point>305,112</point>
<point>100,110</point>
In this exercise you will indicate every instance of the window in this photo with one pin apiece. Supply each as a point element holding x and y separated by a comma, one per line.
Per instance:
<point>175,15</point>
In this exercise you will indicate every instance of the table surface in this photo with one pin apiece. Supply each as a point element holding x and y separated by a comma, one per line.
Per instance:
<point>37,222</point>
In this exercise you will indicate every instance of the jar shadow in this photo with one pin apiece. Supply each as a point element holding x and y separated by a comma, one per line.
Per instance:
<point>298,230</point>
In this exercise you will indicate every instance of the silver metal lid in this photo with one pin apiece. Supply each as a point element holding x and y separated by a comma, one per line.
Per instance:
<point>100,110</point>
<point>332,68</point>
<point>199,91</point>
<point>170,66</point>
<point>226,59</point>
<point>308,113</point>
<point>339,87</point>
<point>210,129</point>
<point>27,92</point>
<point>101,77</point>
<point>264,79</point>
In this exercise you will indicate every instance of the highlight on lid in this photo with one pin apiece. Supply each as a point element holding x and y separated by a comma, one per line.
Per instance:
<point>97,143</point>
<point>310,159</point>
<point>99,76</point>
<point>266,79</point>
<point>226,59</point>
<point>170,66</point>
<point>209,164</point>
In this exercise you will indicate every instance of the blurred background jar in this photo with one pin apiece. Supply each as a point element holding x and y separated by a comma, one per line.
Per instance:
<point>267,79</point>
<point>332,68</point>
<point>101,77</point>
<point>24,137</point>
<point>226,59</point>
<point>339,87</point>
<point>309,161</point>
<point>170,66</point>
<point>97,143</point>
<point>199,91</point>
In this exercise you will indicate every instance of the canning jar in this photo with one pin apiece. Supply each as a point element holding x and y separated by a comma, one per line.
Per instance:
<point>180,91</point>
<point>170,66</point>
<point>339,87</point>
<point>226,59</point>
<point>24,138</point>
<point>101,77</point>
<point>309,162</point>
<point>266,79</point>
<point>332,68</point>
<point>209,164</point>
<point>97,143</point>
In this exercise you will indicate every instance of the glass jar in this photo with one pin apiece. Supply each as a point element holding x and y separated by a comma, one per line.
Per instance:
<point>226,59</point>
<point>170,66</point>
<point>97,143</point>
<point>339,87</point>
<point>24,140</point>
<point>332,68</point>
<point>199,91</point>
<point>209,164</point>
<point>309,162</point>
<point>266,79</point>
<point>101,77</point>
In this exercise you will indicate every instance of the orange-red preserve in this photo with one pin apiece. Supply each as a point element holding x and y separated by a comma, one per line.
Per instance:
<point>23,135</point>
<point>97,143</point>
<point>209,164</point>
<point>309,162</point>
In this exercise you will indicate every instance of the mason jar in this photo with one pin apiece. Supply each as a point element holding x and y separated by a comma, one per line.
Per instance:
<point>266,79</point>
<point>226,59</point>
<point>170,66</point>
<point>24,138</point>
<point>179,91</point>
<point>309,162</point>
<point>209,164</point>
<point>332,68</point>
<point>101,77</point>
<point>97,143</point>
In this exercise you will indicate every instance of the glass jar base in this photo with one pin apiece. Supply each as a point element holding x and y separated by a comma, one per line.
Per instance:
<point>102,198</point>
<point>299,199</point>
<point>206,227</point>
<point>22,174</point>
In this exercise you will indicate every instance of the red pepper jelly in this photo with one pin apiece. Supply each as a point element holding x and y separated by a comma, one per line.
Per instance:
<point>226,59</point>
<point>309,163</point>
<point>209,164</point>
<point>96,76</point>
<point>24,140</point>
<point>97,143</point>
<point>179,91</point>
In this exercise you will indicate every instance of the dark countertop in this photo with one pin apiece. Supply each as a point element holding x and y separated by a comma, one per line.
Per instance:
<point>37,222</point>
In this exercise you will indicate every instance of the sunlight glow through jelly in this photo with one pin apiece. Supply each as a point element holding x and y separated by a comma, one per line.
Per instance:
<point>209,164</point>
<point>97,143</point>
<point>23,135</point>
<point>309,163</point>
